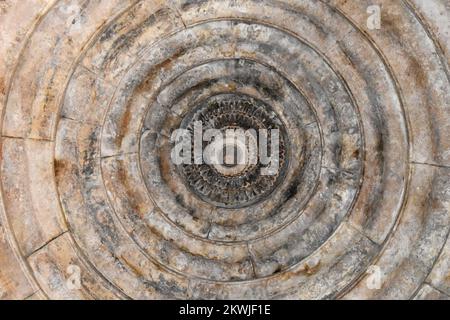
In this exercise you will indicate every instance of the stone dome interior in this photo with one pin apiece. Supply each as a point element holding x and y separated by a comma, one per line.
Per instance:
<point>345,103</point>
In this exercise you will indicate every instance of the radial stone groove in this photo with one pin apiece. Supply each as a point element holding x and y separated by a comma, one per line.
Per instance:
<point>355,97</point>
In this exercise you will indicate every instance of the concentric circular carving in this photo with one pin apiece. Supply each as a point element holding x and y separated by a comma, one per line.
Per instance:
<point>234,178</point>
<point>339,187</point>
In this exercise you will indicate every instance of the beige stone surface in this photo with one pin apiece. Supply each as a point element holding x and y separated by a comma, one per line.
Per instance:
<point>92,206</point>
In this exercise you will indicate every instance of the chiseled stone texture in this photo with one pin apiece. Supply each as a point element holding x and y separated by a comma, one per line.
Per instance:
<point>92,207</point>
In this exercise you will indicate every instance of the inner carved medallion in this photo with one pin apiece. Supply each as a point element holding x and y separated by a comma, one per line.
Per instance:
<point>250,168</point>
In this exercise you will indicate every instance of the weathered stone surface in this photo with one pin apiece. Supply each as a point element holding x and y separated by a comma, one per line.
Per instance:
<point>429,293</point>
<point>14,283</point>
<point>93,207</point>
